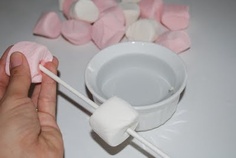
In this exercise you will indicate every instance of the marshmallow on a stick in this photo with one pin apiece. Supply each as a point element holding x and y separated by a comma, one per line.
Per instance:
<point>112,119</point>
<point>77,32</point>
<point>48,25</point>
<point>35,54</point>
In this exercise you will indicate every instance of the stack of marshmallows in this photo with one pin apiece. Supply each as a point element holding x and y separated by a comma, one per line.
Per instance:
<point>107,22</point>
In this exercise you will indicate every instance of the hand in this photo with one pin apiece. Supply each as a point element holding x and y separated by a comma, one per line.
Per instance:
<point>24,131</point>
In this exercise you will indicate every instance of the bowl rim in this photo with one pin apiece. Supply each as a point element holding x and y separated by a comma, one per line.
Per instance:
<point>147,106</point>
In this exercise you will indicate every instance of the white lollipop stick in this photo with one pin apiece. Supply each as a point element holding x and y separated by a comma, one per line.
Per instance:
<point>57,79</point>
<point>95,106</point>
<point>145,142</point>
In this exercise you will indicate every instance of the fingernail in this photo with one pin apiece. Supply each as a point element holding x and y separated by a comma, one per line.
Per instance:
<point>16,59</point>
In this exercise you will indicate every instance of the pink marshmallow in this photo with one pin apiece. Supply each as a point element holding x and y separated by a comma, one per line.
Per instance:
<point>151,9</point>
<point>116,12</point>
<point>104,4</point>
<point>175,17</point>
<point>107,31</point>
<point>66,7</point>
<point>35,54</point>
<point>48,25</point>
<point>77,32</point>
<point>177,41</point>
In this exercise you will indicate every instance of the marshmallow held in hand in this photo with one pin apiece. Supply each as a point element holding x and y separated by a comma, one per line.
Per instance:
<point>35,54</point>
<point>112,119</point>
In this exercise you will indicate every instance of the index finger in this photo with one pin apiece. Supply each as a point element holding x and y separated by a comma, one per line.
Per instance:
<point>47,95</point>
<point>4,78</point>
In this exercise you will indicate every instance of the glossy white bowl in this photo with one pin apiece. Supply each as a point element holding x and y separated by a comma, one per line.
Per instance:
<point>148,76</point>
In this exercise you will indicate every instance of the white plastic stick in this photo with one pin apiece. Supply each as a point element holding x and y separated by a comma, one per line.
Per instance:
<point>60,81</point>
<point>95,106</point>
<point>145,142</point>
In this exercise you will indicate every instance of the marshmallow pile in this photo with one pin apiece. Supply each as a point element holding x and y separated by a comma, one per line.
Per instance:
<point>107,22</point>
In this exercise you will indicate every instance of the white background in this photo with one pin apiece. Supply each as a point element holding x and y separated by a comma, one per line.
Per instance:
<point>204,123</point>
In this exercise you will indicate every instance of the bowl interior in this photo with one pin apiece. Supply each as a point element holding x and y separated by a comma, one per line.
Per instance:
<point>140,73</point>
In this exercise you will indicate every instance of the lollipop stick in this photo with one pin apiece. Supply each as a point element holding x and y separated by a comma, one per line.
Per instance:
<point>145,142</point>
<point>95,106</point>
<point>60,81</point>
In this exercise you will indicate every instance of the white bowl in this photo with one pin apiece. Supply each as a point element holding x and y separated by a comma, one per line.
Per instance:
<point>148,76</point>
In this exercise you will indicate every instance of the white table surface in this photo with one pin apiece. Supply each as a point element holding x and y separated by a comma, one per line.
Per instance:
<point>204,123</point>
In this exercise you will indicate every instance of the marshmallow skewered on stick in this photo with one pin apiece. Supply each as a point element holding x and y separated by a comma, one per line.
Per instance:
<point>113,121</point>
<point>112,138</point>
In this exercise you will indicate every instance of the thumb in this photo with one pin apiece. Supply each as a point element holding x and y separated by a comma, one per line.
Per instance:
<point>20,78</point>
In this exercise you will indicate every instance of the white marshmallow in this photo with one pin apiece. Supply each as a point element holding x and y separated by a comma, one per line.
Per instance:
<point>131,12</point>
<point>112,119</point>
<point>145,30</point>
<point>84,10</point>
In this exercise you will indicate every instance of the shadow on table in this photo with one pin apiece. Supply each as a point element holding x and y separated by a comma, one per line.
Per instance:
<point>115,150</point>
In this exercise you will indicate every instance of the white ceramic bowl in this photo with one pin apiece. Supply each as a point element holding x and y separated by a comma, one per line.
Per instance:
<point>148,76</point>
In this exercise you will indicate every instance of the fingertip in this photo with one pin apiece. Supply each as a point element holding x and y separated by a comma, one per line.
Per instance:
<point>20,77</point>
<point>16,59</point>
<point>53,65</point>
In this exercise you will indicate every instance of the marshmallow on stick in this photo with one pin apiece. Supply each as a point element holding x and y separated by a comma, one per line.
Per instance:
<point>113,121</point>
<point>35,54</point>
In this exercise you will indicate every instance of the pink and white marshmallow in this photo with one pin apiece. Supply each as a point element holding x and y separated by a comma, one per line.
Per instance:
<point>48,25</point>
<point>116,12</point>
<point>175,17</point>
<point>151,9</point>
<point>130,1</point>
<point>104,4</point>
<point>66,5</point>
<point>84,10</point>
<point>177,41</point>
<point>77,32</point>
<point>146,30</point>
<point>107,30</point>
<point>35,54</point>
<point>112,119</point>
<point>131,12</point>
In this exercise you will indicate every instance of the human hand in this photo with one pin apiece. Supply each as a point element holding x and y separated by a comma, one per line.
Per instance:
<point>24,131</point>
